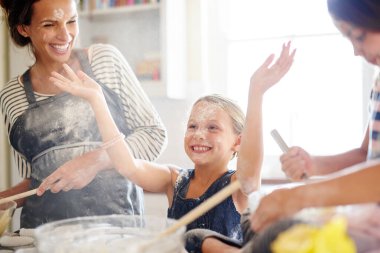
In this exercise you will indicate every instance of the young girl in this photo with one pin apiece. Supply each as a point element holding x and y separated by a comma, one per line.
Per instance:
<point>216,132</point>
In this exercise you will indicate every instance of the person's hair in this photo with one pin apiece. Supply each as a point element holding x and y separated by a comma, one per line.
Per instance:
<point>230,107</point>
<point>362,13</point>
<point>18,12</point>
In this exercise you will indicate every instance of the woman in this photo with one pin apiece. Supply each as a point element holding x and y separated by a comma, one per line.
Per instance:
<point>53,133</point>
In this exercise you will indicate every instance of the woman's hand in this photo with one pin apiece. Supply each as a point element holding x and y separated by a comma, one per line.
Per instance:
<point>79,84</point>
<point>266,76</point>
<point>76,173</point>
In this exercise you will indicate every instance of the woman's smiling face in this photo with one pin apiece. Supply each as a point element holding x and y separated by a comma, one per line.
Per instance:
<point>53,30</point>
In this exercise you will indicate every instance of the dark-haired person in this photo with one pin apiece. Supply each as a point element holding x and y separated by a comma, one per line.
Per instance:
<point>54,134</point>
<point>359,22</point>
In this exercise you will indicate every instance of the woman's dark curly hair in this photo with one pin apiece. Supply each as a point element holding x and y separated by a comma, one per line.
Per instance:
<point>361,13</point>
<point>18,12</point>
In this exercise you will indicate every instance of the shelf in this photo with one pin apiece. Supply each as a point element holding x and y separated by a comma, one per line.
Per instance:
<point>140,31</point>
<point>119,10</point>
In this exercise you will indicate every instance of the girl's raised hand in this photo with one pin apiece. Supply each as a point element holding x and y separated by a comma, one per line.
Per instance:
<point>78,84</point>
<point>267,75</point>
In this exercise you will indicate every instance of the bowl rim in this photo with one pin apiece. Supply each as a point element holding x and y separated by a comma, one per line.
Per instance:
<point>46,229</point>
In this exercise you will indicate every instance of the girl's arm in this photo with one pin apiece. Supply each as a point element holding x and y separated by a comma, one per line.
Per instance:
<point>148,137</point>
<point>150,176</point>
<point>250,155</point>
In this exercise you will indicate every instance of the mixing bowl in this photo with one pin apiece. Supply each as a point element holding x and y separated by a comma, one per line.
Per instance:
<point>6,212</point>
<point>111,233</point>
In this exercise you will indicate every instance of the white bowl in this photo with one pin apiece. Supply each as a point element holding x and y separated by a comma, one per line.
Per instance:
<point>110,233</point>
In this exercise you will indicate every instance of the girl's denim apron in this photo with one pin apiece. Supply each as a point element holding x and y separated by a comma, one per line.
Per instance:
<point>224,218</point>
<point>56,130</point>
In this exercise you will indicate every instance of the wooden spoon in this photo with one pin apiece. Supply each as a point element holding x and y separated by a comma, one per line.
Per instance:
<point>195,213</point>
<point>18,196</point>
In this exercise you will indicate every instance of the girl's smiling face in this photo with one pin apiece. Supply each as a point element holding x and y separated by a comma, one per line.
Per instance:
<point>210,138</point>
<point>365,43</point>
<point>53,30</point>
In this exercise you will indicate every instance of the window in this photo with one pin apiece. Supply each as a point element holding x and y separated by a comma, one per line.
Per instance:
<point>321,104</point>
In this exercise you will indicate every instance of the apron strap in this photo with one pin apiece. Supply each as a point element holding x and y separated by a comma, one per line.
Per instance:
<point>28,88</point>
<point>85,63</point>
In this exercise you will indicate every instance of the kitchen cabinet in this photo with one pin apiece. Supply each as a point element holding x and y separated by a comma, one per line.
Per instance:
<point>151,36</point>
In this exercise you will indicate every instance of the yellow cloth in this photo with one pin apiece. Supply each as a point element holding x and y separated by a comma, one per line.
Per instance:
<point>304,238</point>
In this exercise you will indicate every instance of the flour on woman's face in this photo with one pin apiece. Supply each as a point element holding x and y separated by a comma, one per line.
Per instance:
<point>58,13</point>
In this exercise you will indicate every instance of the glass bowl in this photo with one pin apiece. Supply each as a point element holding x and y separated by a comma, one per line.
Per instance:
<point>6,212</point>
<point>110,233</point>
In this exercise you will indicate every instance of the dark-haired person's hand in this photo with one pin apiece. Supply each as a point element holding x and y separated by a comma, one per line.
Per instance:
<point>295,163</point>
<point>277,205</point>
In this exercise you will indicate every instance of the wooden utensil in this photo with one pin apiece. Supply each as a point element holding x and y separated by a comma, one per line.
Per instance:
<point>281,143</point>
<point>203,208</point>
<point>195,213</point>
<point>18,196</point>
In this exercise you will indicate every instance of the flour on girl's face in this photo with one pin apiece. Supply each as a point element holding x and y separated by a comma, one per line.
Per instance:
<point>206,114</point>
<point>202,113</point>
<point>58,13</point>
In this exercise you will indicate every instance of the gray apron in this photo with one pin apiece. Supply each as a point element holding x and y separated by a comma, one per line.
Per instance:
<point>56,130</point>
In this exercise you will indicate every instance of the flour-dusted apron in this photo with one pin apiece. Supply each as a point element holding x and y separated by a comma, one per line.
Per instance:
<point>223,218</point>
<point>56,130</point>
